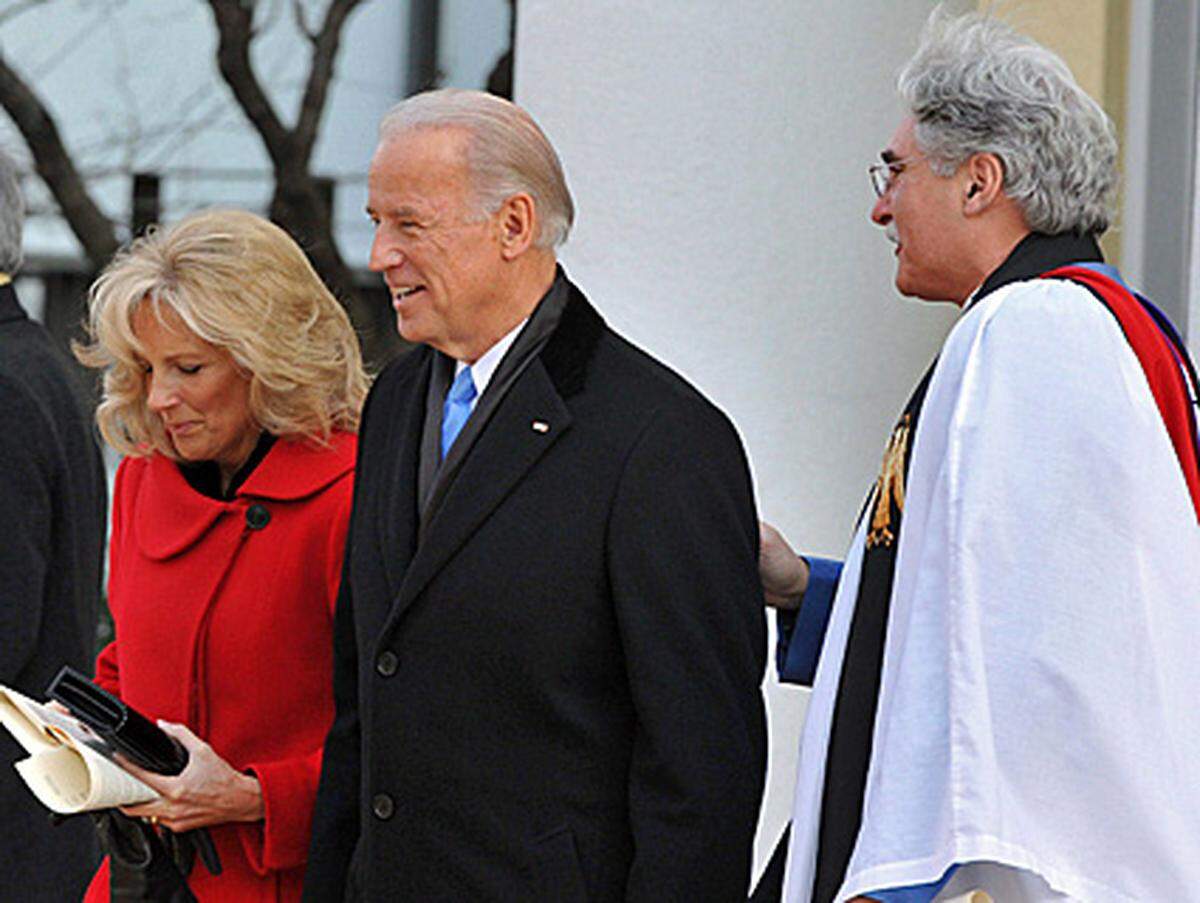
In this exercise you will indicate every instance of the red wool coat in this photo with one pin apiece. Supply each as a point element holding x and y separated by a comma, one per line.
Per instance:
<point>224,622</point>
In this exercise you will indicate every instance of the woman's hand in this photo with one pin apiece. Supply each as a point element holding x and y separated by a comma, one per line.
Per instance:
<point>784,574</point>
<point>209,791</point>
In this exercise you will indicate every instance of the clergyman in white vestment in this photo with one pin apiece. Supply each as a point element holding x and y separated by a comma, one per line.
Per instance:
<point>1005,683</point>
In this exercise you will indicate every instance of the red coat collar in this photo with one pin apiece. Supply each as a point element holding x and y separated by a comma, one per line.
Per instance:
<point>293,470</point>
<point>169,516</point>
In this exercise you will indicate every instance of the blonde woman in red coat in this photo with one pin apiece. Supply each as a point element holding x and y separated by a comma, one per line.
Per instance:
<point>232,384</point>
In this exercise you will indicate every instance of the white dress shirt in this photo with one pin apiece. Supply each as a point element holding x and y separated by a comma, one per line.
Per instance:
<point>484,368</point>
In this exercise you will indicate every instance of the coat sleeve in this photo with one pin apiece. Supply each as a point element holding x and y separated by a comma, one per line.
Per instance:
<point>682,553</point>
<point>280,840</point>
<point>802,633</point>
<point>335,827</point>
<point>26,511</point>
<point>108,676</point>
<point>108,673</point>
<point>335,819</point>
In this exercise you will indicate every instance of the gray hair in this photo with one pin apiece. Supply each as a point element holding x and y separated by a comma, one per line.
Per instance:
<point>977,86</point>
<point>12,215</point>
<point>507,153</point>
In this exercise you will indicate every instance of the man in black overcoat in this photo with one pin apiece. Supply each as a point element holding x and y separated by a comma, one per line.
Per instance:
<point>549,638</point>
<point>52,501</point>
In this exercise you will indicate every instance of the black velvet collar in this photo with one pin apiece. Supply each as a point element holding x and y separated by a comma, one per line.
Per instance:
<point>1036,254</point>
<point>569,350</point>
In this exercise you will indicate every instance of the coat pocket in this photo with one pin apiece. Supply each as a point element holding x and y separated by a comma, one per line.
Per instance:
<point>557,876</point>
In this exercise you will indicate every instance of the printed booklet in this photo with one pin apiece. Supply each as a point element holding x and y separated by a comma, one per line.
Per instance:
<point>70,768</point>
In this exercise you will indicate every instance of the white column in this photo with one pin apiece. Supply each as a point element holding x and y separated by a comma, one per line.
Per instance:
<point>1193,281</point>
<point>717,153</point>
<point>1135,150</point>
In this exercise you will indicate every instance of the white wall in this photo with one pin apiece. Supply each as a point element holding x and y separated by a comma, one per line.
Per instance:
<point>717,154</point>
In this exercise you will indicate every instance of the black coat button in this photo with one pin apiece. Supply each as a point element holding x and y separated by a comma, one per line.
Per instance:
<point>387,663</point>
<point>382,806</point>
<point>257,516</point>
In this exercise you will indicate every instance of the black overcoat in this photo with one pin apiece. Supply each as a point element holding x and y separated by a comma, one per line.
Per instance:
<point>52,501</point>
<point>555,694</point>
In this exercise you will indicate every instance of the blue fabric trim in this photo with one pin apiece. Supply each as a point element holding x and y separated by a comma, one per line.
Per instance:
<point>1104,269</point>
<point>802,633</point>
<point>920,893</point>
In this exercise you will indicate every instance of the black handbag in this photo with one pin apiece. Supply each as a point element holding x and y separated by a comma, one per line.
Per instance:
<point>146,862</point>
<point>127,730</point>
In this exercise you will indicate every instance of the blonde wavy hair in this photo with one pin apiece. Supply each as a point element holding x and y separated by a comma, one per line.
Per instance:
<point>241,284</point>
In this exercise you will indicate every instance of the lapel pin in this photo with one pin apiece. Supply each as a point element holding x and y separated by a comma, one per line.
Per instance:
<point>540,426</point>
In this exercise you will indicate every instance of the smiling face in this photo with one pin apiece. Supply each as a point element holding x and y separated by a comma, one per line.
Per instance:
<point>439,255</point>
<point>923,215</point>
<point>196,390</point>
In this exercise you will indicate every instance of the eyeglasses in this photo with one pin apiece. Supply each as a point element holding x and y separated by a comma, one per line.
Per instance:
<point>883,175</point>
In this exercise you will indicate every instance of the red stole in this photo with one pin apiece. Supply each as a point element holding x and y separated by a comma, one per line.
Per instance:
<point>1160,361</point>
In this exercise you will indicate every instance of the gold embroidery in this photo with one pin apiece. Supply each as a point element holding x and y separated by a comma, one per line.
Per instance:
<point>889,487</point>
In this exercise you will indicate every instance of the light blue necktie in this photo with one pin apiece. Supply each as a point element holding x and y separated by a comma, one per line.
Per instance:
<point>457,408</point>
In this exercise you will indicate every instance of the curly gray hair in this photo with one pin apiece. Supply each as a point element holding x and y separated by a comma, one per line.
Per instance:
<point>977,86</point>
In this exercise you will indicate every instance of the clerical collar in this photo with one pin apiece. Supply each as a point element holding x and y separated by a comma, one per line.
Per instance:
<point>1038,253</point>
<point>484,368</point>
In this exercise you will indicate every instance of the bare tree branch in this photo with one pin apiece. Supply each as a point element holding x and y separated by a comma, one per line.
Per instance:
<point>90,226</point>
<point>235,32</point>
<point>275,10</point>
<point>300,201</point>
<point>320,74</point>
<point>302,22</point>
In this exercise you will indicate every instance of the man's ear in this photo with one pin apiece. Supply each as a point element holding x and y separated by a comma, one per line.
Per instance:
<point>984,183</point>
<point>518,224</point>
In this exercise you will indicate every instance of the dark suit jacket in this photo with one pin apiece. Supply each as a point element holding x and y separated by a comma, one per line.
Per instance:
<point>555,694</point>
<point>52,496</point>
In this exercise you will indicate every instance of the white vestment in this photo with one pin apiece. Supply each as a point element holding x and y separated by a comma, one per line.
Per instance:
<point>1039,703</point>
